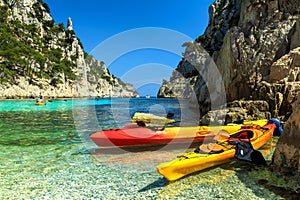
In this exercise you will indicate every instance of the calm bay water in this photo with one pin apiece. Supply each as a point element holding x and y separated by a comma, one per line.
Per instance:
<point>45,154</point>
<point>22,123</point>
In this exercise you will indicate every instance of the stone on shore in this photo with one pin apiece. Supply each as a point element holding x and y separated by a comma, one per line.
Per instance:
<point>151,119</point>
<point>238,111</point>
<point>286,158</point>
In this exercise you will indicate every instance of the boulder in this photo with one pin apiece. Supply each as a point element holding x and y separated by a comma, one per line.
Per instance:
<point>151,119</point>
<point>236,112</point>
<point>286,158</point>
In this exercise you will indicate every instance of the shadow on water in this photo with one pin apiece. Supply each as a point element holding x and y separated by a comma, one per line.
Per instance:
<point>161,182</point>
<point>262,176</point>
<point>284,187</point>
<point>202,180</point>
<point>145,148</point>
<point>286,193</point>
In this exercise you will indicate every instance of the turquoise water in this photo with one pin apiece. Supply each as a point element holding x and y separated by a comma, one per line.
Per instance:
<point>46,154</point>
<point>51,105</point>
<point>65,121</point>
<point>38,141</point>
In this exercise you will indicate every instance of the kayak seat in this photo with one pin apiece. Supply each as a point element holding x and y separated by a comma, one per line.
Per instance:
<point>198,150</point>
<point>210,148</point>
<point>141,123</point>
<point>222,135</point>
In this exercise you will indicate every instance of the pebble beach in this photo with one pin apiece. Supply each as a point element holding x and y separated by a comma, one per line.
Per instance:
<point>83,175</point>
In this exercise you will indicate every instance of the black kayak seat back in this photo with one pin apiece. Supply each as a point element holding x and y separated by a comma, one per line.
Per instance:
<point>246,152</point>
<point>141,123</point>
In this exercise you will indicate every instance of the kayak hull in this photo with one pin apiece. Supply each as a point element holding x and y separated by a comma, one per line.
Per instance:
<point>192,161</point>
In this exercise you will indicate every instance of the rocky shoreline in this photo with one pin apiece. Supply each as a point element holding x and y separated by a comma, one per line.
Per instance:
<point>22,89</point>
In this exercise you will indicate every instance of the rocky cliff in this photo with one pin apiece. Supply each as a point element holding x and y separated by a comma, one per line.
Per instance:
<point>253,43</point>
<point>39,56</point>
<point>256,47</point>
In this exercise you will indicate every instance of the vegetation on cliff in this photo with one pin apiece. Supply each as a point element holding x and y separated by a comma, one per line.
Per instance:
<point>37,52</point>
<point>24,52</point>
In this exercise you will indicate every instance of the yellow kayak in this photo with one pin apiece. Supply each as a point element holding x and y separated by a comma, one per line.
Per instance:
<point>260,122</point>
<point>208,132</point>
<point>213,154</point>
<point>40,103</point>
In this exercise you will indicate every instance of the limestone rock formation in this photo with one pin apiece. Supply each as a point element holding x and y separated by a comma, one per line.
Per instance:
<point>286,158</point>
<point>236,112</point>
<point>197,78</point>
<point>254,45</point>
<point>39,56</point>
<point>70,24</point>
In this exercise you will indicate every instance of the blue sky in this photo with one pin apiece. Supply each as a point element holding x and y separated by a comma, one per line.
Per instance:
<point>99,21</point>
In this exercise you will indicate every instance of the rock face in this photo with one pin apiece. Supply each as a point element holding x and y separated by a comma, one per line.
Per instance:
<point>38,56</point>
<point>254,45</point>
<point>197,78</point>
<point>286,158</point>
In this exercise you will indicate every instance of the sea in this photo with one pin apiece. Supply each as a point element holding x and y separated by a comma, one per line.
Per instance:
<point>46,153</point>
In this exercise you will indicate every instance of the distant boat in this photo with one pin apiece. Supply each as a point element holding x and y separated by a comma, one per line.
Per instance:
<point>39,103</point>
<point>147,96</point>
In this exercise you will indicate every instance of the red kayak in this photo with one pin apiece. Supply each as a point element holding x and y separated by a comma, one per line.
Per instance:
<point>133,135</point>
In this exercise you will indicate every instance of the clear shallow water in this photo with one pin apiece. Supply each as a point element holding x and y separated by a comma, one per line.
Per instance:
<point>44,155</point>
